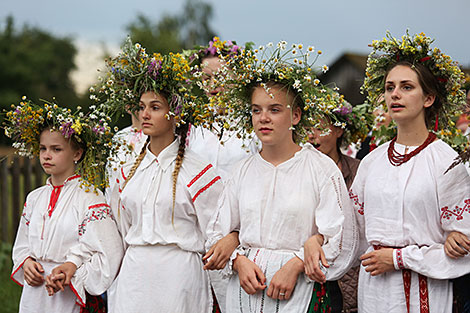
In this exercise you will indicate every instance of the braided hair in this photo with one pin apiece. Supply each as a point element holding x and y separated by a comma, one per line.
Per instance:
<point>182,131</point>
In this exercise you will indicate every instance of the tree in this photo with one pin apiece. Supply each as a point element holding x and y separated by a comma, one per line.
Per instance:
<point>35,64</point>
<point>174,32</point>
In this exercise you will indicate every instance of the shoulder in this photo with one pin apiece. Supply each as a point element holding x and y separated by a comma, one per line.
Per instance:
<point>317,160</point>
<point>36,194</point>
<point>194,167</point>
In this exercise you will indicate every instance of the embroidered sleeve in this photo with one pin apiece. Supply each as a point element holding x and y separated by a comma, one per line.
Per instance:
<point>99,250</point>
<point>336,222</point>
<point>356,194</point>
<point>205,189</point>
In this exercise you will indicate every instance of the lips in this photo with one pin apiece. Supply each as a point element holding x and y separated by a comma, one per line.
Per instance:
<point>265,130</point>
<point>146,125</point>
<point>46,164</point>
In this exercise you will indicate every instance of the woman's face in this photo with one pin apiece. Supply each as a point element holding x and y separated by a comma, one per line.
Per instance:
<point>56,155</point>
<point>325,143</point>
<point>404,96</point>
<point>271,116</point>
<point>153,112</point>
<point>210,66</point>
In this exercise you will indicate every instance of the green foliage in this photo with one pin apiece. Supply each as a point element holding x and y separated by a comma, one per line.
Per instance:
<point>36,64</point>
<point>174,32</point>
<point>9,291</point>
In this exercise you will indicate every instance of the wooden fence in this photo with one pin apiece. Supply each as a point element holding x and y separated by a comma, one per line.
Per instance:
<point>18,176</point>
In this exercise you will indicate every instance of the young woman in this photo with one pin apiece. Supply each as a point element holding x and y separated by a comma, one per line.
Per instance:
<point>269,196</point>
<point>166,196</point>
<point>67,236</point>
<point>405,202</point>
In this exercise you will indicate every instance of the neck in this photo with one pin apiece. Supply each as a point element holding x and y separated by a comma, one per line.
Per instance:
<point>412,135</point>
<point>58,180</point>
<point>277,154</point>
<point>157,144</point>
<point>334,155</point>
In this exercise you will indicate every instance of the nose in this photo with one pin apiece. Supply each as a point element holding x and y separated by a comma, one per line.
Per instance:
<point>264,116</point>
<point>395,93</point>
<point>144,114</point>
<point>46,154</point>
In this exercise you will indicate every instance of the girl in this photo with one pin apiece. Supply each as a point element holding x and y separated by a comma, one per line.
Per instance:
<point>67,235</point>
<point>269,196</point>
<point>166,196</point>
<point>405,202</point>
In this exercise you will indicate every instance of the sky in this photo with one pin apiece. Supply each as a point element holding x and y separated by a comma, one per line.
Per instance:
<point>333,26</point>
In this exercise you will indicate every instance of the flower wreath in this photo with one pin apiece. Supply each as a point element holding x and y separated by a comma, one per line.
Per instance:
<point>25,122</point>
<point>292,68</point>
<point>415,50</point>
<point>134,72</point>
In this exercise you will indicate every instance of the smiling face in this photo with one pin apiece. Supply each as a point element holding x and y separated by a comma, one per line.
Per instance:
<point>271,117</point>
<point>57,156</point>
<point>404,96</point>
<point>153,109</point>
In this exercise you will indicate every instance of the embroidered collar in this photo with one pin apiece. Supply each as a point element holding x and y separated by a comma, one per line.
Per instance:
<point>164,159</point>
<point>71,178</point>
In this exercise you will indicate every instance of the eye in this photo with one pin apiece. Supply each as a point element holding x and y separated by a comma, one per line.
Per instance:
<point>254,110</point>
<point>155,108</point>
<point>407,87</point>
<point>389,88</point>
<point>57,149</point>
<point>275,110</point>
<point>141,107</point>
<point>42,148</point>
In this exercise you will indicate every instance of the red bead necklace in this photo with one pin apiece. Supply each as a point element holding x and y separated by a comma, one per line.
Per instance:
<point>397,159</point>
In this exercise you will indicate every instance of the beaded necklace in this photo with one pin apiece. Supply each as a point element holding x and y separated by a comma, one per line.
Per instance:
<point>397,159</point>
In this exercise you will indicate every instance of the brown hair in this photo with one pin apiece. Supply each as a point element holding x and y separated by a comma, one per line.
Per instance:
<point>430,86</point>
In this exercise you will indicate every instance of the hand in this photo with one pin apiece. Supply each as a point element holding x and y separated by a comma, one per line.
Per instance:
<point>220,253</point>
<point>56,284</point>
<point>68,269</point>
<point>313,255</point>
<point>33,272</point>
<point>251,277</point>
<point>283,283</point>
<point>457,245</point>
<point>379,261</point>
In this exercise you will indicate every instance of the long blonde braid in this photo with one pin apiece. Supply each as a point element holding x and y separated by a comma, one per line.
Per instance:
<point>182,131</point>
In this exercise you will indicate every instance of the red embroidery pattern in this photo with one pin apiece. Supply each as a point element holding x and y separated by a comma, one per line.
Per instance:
<point>355,198</point>
<point>423,294</point>
<point>24,216</point>
<point>199,175</point>
<point>401,264</point>
<point>407,286</point>
<point>122,173</point>
<point>457,211</point>
<point>206,187</point>
<point>103,212</point>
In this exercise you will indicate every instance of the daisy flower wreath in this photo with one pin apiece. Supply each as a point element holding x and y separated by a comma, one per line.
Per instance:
<point>417,49</point>
<point>134,72</point>
<point>291,67</point>
<point>25,122</point>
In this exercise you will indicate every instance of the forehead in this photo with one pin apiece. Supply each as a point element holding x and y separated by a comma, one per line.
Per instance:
<point>276,95</point>
<point>210,64</point>
<point>52,138</point>
<point>150,96</point>
<point>401,73</point>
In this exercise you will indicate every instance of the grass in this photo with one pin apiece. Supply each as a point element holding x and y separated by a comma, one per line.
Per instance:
<point>10,292</point>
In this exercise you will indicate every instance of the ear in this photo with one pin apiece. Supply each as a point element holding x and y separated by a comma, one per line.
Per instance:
<point>429,100</point>
<point>77,155</point>
<point>296,115</point>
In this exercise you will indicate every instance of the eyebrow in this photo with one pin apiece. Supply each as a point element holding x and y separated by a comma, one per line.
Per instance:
<point>401,82</point>
<point>270,105</point>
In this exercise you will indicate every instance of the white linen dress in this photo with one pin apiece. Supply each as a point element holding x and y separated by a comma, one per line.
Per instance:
<point>80,229</point>
<point>411,207</point>
<point>276,209</point>
<point>162,268</point>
